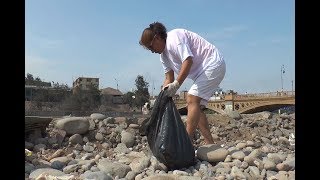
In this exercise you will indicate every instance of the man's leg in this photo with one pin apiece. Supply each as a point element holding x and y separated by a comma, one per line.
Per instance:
<point>197,118</point>
<point>204,128</point>
<point>193,115</point>
<point>203,85</point>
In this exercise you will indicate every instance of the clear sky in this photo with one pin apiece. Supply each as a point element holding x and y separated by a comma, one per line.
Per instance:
<point>66,39</point>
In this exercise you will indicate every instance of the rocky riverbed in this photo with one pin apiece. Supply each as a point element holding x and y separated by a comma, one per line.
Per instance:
<point>247,146</point>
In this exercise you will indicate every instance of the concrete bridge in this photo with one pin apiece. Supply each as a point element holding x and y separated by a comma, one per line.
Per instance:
<point>247,103</point>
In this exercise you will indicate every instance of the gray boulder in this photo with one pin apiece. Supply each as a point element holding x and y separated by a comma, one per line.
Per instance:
<point>73,125</point>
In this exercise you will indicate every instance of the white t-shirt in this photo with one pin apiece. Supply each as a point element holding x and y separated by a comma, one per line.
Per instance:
<point>181,44</point>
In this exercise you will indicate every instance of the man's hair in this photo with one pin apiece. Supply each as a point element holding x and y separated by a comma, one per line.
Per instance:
<point>155,28</point>
<point>159,29</point>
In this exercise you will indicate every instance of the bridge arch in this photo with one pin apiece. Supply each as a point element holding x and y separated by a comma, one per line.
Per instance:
<point>258,106</point>
<point>270,108</point>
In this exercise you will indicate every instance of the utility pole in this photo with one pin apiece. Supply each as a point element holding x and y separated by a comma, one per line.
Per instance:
<point>117,83</point>
<point>282,72</point>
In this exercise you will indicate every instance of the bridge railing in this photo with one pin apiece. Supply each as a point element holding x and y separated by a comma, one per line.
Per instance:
<point>266,95</point>
<point>251,96</point>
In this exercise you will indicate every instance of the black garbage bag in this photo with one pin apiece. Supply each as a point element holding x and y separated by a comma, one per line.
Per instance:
<point>166,134</point>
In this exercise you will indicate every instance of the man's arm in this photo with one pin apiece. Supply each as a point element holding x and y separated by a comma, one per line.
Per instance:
<point>173,85</point>
<point>169,77</point>
<point>185,68</point>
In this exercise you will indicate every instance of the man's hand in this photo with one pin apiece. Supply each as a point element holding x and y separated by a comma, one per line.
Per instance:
<point>172,88</point>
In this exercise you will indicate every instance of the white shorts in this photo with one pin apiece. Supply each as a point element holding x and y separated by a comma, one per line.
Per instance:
<point>207,82</point>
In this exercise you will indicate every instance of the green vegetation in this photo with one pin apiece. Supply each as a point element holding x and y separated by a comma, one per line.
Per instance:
<point>141,94</point>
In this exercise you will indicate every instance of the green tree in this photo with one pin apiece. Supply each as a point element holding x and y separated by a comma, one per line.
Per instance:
<point>128,98</point>
<point>29,77</point>
<point>30,80</point>
<point>37,81</point>
<point>142,93</point>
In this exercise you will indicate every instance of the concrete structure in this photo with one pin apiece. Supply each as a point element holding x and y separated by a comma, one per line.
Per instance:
<point>248,103</point>
<point>85,82</point>
<point>35,127</point>
<point>31,91</point>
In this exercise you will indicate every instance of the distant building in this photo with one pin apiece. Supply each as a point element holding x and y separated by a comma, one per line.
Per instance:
<point>112,96</point>
<point>85,82</point>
